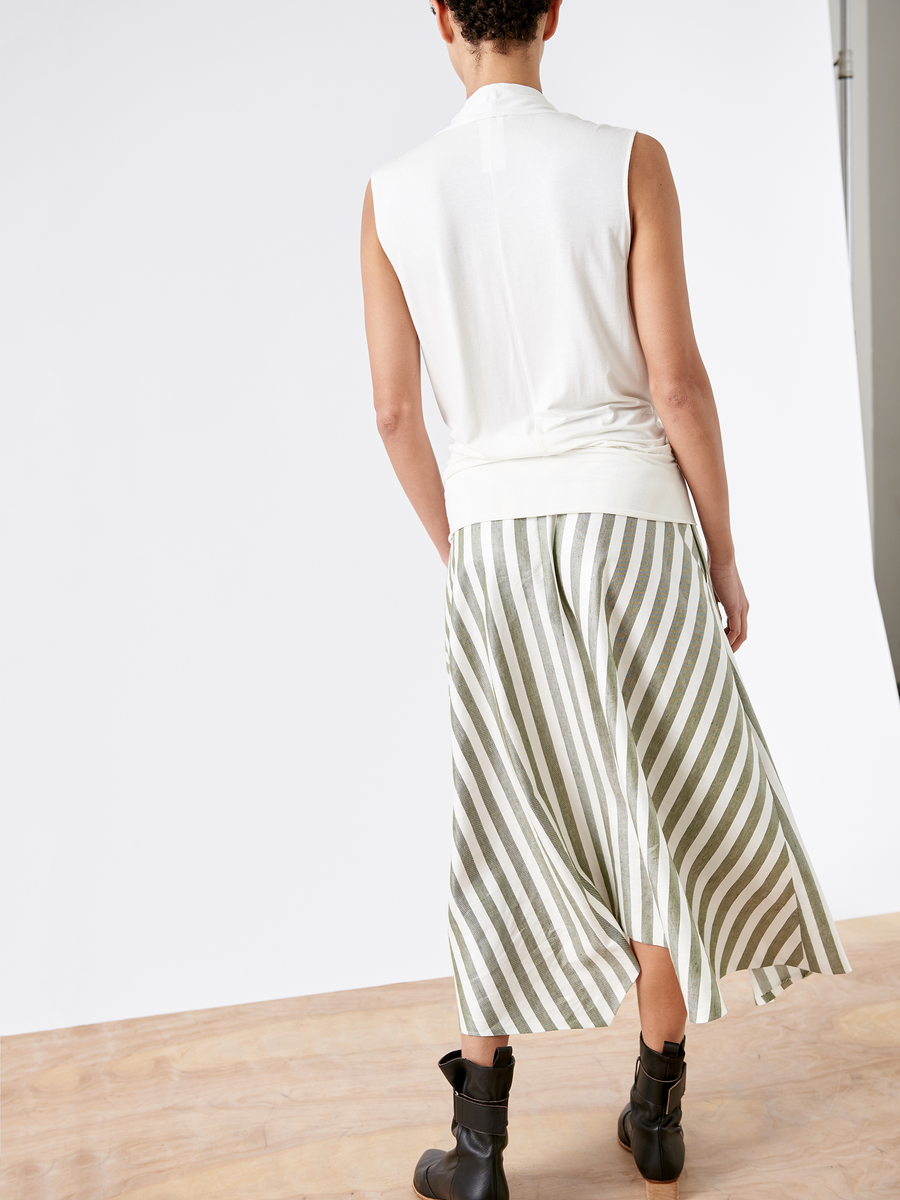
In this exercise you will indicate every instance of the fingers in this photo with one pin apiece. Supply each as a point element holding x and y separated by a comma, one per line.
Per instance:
<point>736,627</point>
<point>732,599</point>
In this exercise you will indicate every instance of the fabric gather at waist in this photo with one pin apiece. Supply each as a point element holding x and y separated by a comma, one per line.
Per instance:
<point>605,478</point>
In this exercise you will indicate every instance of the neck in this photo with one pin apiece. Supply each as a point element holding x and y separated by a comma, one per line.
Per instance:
<point>500,68</point>
<point>490,67</point>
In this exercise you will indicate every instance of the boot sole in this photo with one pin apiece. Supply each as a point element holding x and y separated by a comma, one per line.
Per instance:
<point>655,1191</point>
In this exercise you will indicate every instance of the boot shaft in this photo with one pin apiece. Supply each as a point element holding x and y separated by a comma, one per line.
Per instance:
<point>660,1078</point>
<point>487,1084</point>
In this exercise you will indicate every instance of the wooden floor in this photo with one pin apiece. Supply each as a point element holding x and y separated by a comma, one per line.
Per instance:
<point>335,1096</point>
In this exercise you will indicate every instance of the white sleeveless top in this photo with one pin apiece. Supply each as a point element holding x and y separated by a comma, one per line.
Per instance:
<point>510,232</point>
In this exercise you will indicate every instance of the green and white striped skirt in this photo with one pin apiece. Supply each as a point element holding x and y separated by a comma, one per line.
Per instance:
<point>611,781</point>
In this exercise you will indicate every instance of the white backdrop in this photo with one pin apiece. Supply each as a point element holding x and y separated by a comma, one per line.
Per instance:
<point>225,737</point>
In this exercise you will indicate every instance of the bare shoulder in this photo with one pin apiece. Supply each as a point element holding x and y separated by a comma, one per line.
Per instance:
<point>649,174</point>
<point>648,152</point>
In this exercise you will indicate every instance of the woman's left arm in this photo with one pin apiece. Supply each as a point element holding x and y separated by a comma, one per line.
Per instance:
<point>397,385</point>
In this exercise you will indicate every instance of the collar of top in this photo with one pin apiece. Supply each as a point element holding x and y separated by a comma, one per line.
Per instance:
<point>500,100</point>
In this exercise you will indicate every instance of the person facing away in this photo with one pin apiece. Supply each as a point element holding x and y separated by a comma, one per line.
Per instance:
<point>535,260</point>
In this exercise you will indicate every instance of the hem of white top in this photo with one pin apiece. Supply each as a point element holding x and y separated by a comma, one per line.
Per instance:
<point>601,479</point>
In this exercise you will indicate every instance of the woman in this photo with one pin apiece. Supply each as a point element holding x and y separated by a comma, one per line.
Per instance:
<point>617,816</point>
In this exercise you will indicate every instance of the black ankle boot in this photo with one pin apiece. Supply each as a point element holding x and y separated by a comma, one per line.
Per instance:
<point>650,1124</point>
<point>474,1170</point>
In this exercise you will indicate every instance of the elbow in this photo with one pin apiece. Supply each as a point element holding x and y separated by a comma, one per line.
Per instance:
<point>388,424</point>
<point>391,420</point>
<point>678,398</point>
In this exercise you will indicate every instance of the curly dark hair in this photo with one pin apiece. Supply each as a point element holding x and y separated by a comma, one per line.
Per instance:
<point>498,21</point>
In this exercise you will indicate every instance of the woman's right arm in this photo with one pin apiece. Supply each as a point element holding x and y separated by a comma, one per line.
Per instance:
<point>679,385</point>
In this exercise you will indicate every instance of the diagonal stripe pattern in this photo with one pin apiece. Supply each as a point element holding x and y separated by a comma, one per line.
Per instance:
<point>612,781</point>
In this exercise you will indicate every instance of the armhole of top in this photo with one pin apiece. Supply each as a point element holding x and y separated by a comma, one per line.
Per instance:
<point>375,205</point>
<point>378,230</point>
<point>375,180</point>
<point>629,147</point>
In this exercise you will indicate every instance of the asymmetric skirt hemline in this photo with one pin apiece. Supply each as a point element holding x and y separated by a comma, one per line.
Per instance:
<point>611,781</point>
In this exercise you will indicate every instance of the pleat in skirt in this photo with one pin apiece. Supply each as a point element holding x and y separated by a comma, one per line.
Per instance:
<point>611,781</point>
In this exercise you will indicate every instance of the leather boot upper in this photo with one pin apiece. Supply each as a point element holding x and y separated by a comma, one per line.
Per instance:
<point>474,1169</point>
<point>650,1124</point>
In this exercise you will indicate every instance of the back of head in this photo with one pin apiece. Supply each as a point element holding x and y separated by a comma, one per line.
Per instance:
<point>503,25</point>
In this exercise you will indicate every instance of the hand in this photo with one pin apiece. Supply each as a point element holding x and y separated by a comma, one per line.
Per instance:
<point>730,594</point>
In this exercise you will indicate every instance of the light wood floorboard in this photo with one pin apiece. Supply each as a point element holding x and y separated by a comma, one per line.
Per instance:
<point>335,1096</point>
